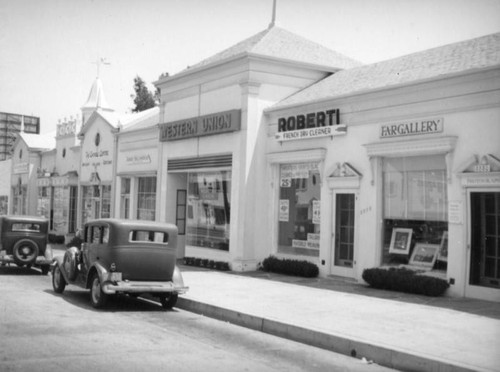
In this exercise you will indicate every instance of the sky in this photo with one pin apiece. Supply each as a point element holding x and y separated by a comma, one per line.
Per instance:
<point>48,48</point>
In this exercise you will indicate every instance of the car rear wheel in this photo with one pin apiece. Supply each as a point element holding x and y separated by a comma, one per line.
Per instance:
<point>25,252</point>
<point>169,300</point>
<point>98,298</point>
<point>58,281</point>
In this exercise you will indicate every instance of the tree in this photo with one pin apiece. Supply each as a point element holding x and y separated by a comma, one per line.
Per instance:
<point>143,98</point>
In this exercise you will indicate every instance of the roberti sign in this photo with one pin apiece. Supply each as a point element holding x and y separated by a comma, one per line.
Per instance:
<point>311,125</point>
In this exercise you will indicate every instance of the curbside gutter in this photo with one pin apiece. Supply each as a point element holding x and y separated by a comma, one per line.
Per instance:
<point>380,355</point>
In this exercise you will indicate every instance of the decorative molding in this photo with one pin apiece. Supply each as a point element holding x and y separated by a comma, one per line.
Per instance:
<point>344,176</point>
<point>413,147</point>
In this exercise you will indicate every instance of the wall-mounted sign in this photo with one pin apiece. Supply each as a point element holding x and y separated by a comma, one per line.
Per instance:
<point>311,120</point>
<point>337,130</point>
<point>21,168</point>
<point>410,128</point>
<point>221,122</point>
<point>284,211</point>
<point>138,159</point>
<point>455,211</point>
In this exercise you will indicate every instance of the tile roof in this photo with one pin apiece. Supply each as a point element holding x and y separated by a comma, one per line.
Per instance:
<point>278,43</point>
<point>450,59</point>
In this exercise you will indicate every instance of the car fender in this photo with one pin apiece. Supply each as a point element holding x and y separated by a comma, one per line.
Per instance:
<point>177,277</point>
<point>101,272</point>
<point>58,261</point>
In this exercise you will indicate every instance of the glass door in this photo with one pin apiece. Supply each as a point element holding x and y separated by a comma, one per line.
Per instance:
<point>344,233</point>
<point>485,239</point>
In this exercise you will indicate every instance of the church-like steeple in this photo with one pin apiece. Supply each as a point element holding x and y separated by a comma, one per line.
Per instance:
<point>96,99</point>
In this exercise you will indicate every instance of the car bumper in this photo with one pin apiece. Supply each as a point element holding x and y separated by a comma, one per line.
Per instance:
<point>8,258</point>
<point>142,287</point>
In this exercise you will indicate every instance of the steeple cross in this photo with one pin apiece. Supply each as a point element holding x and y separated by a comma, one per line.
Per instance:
<point>99,62</point>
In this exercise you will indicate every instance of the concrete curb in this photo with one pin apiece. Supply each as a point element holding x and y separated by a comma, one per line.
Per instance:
<point>387,357</point>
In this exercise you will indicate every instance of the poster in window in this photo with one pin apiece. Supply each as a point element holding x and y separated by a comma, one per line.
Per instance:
<point>400,241</point>
<point>424,255</point>
<point>316,209</point>
<point>443,248</point>
<point>284,210</point>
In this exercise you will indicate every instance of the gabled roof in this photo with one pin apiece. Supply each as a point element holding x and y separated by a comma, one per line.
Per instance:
<point>96,97</point>
<point>277,43</point>
<point>38,142</point>
<point>474,54</point>
<point>128,121</point>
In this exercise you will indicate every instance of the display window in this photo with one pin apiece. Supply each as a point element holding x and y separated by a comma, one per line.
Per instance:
<point>44,197</point>
<point>125,198</point>
<point>96,202</point>
<point>209,210</point>
<point>299,209</point>
<point>146,198</point>
<point>415,211</point>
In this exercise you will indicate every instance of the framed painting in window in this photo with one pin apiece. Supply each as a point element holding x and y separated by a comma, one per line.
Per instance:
<point>424,255</point>
<point>400,240</point>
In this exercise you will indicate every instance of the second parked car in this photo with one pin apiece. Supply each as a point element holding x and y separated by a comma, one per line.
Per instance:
<point>23,241</point>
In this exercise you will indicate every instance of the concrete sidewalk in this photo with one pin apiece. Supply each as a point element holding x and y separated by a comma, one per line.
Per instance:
<point>401,334</point>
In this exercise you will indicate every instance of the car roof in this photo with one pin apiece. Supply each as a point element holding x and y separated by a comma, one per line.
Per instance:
<point>132,223</point>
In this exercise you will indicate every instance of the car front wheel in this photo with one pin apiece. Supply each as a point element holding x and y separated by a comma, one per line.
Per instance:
<point>98,298</point>
<point>58,281</point>
<point>168,301</point>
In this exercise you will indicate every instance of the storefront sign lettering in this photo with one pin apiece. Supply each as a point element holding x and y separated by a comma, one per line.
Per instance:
<point>337,130</point>
<point>425,126</point>
<point>21,168</point>
<point>455,211</point>
<point>481,181</point>
<point>311,120</point>
<point>96,154</point>
<point>222,122</point>
<point>138,159</point>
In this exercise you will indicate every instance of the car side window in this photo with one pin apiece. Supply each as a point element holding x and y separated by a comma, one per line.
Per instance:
<point>105,234</point>
<point>88,235</point>
<point>96,234</point>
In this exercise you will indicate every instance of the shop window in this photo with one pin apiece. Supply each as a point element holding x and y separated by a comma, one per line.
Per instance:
<point>125,198</point>
<point>44,198</point>
<point>146,198</point>
<point>209,209</point>
<point>299,209</point>
<point>73,198</point>
<point>415,210</point>
<point>106,202</point>
<point>180,215</point>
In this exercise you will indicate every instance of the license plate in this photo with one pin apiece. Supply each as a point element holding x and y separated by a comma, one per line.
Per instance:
<point>115,277</point>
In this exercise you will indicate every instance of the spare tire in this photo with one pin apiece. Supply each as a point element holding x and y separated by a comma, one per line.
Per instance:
<point>70,263</point>
<point>25,252</point>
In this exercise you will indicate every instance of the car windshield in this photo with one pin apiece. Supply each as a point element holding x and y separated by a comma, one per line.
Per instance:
<point>25,227</point>
<point>148,236</point>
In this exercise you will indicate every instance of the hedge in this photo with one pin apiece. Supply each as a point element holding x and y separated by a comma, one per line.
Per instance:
<point>290,267</point>
<point>405,280</point>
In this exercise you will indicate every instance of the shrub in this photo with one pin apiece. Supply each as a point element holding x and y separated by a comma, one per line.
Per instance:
<point>290,267</point>
<point>76,241</point>
<point>405,280</point>
<point>56,239</point>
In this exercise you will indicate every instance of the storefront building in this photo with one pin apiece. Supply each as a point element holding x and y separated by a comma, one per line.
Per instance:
<point>390,164</point>
<point>97,162</point>
<point>213,141</point>
<point>32,158</point>
<point>137,168</point>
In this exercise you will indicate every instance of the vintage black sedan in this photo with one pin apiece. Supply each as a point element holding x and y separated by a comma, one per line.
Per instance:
<point>23,241</point>
<point>123,256</point>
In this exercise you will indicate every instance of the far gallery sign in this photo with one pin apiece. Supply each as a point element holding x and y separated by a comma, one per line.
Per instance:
<point>410,128</point>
